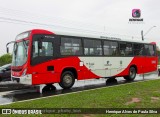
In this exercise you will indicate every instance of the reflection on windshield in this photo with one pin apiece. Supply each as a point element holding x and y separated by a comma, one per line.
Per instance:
<point>20,53</point>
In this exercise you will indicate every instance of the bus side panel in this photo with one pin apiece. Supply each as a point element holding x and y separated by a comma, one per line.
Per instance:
<point>151,64</point>
<point>143,64</point>
<point>107,66</point>
<point>74,62</point>
<point>42,76</point>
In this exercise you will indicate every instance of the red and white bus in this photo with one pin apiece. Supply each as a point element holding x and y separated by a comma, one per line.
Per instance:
<point>43,57</point>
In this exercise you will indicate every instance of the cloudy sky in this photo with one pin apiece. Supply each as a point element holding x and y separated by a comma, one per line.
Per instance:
<point>89,16</point>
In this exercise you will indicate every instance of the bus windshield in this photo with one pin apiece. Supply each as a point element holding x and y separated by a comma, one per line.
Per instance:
<point>20,53</point>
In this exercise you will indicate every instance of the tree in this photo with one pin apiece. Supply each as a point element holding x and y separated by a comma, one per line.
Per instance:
<point>5,59</point>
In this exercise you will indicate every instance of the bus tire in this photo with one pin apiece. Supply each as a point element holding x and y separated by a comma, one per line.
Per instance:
<point>67,80</point>
<point>132,74</point>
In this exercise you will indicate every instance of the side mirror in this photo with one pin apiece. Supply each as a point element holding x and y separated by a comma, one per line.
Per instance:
<point>7,50</point>
<point>8,69</point>
<point>4,70</point>
<point>8,44</point>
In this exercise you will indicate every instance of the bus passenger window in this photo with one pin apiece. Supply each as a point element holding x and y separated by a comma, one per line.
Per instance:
<point>129,49</point>
<point>122,49</point>
<point>146,50</point>
<point>71,46</point>
<point>92,47</point>
<point>86,51</point>
<point>114,49</point>
<point>107,47</point>
<point>138,49</point>
<point>151,50</point>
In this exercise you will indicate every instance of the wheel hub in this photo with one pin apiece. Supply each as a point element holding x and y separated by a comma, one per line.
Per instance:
<point>67,79</point>
<point>132,73</point>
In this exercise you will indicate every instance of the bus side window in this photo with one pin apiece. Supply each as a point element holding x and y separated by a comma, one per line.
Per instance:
<point>107,48</point>
<point>43,51</point>
<point>122,49</point>
<point>114,49</point>
<point>35,49</point>
<point>46,49</point>
<point>138,49</point>
<point>49,50</point>
<point>86,51</point>
<point>151,50</point>
<point>71,46</point>
<point>129,49</point>
<point>146,50</point>
<point>92,47</point>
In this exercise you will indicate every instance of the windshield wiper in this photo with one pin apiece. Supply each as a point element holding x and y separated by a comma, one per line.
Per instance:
<point>8,44</point>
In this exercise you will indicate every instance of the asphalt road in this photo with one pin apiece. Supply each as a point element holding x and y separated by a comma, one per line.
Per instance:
<point>12,92</point>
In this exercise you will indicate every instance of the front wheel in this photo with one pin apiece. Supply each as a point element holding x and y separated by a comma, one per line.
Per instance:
<point>67,80</point>
<point>132,74</point>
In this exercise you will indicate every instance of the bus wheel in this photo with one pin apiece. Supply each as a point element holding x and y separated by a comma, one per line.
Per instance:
<point>51,86</point>
<point>111,80</point>
<point>132,74</point>
<point>67,80</point>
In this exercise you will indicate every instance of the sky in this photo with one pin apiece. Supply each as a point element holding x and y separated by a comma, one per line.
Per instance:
<point>90,16</point>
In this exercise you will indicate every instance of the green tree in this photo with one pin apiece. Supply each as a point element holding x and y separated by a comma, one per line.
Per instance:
<point>5,59</point>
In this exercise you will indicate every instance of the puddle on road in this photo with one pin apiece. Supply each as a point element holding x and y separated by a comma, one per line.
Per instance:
<point>32,93</point>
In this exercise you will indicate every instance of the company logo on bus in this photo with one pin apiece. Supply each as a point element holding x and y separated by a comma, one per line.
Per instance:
<point>108,63</point>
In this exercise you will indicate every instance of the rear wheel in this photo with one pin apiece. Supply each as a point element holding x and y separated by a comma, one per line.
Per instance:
<point>49,87</point>
<point>132,74</point>
<point>111,80</point>
<point>67,80</point>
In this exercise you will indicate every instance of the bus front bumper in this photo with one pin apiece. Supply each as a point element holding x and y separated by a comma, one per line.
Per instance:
<point>27,79</point>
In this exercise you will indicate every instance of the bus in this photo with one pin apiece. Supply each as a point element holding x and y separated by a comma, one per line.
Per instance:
<point>43,57</point>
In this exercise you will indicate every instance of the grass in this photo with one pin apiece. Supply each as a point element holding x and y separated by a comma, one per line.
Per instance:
<point>112,97</point>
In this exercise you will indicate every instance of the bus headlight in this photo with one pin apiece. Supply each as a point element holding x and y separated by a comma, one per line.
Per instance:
<point>24,72</point>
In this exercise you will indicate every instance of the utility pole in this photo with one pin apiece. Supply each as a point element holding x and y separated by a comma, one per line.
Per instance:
<point>142,35</point>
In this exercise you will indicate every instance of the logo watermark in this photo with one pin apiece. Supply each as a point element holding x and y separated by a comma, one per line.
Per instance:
<point>136,13</point>
<point>136,17</point>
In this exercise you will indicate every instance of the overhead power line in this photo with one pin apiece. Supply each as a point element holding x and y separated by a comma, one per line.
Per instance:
<point>12,20</point>
<point>19,13</point>
<point>57,20</point>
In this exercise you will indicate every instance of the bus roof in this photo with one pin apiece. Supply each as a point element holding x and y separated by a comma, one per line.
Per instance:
<point>100,35</point>
<point>105,37</point>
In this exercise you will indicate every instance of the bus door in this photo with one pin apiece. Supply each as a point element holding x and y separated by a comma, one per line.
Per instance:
<point>43,52</point>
